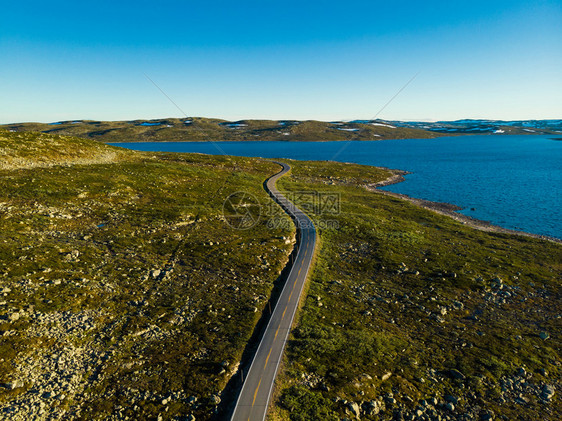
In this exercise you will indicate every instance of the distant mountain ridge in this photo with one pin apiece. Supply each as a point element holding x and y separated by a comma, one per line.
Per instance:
<point>469,126</point>
<point>206,129</point>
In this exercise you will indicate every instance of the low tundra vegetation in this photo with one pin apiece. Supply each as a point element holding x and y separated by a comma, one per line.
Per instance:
<point>123,291</point>
<point>412,315</point>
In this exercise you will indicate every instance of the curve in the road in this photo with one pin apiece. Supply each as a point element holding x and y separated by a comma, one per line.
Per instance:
<point>256,390</point>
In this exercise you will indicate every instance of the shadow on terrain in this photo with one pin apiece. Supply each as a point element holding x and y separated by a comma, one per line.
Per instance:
<point>234,386</point>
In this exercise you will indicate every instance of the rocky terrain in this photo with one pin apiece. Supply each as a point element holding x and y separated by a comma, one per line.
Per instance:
<point>124,294</point>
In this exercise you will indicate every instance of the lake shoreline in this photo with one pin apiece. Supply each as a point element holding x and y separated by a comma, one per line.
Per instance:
<point>448,209</point>
<point>524,170</point>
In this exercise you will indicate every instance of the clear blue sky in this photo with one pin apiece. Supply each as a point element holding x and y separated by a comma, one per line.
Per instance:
<point>295,60</point>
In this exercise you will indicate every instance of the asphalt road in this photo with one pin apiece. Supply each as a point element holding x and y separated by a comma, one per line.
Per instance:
<point>256,390</point>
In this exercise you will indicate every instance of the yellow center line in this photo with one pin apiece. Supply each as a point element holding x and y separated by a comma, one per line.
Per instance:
<point>267,359</point>
<point>256,393</point>
<point>277,331</point>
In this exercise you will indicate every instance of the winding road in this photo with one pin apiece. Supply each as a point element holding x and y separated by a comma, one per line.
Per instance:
<point>256,390</point>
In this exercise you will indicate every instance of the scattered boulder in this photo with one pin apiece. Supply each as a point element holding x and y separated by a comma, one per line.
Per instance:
<point>456,374</point>
<point>547,392</point>
<point>544,335</point>
<point>386,376</point>
<point>497,283</point>
<point>372,407</point>
<point>15,384</point>
<point>458,305</point>
<point>354,408</point>
<point>14,317</point>
<point>487,416</point>
<point>452,399</point>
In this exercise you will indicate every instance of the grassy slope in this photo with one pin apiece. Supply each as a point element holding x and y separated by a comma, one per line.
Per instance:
<point>22,150</point>
<point>98,329</point>
<point>201,129</point>
<point>128,339</point>
<point>401,296</point>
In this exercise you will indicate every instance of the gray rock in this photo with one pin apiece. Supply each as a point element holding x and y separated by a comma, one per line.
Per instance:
<point>458,305</point>
<point>547,392</point>
<point>12,385</point>
<point>373,407</point>
<point>324,387</point>
<point>450,406</point>
<point>452,399</point>
<point>354,408</point>
<point>487,416</point>
<point>455,374</point>
<point>215,399</point>
<point>544,335</point>
<point>386,376</point>
<point>14,317</point>
<point>497,283</point>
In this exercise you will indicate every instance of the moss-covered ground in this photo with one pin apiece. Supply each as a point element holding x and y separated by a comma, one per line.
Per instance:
<point>123,291</point>
<point>412,311</point>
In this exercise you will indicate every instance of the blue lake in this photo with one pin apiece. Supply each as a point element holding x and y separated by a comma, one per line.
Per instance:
<point>511,181</point>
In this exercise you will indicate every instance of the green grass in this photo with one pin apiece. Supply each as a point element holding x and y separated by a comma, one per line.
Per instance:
<point>375,305</point>
<point>82,240</point>
<point>398,298</point>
